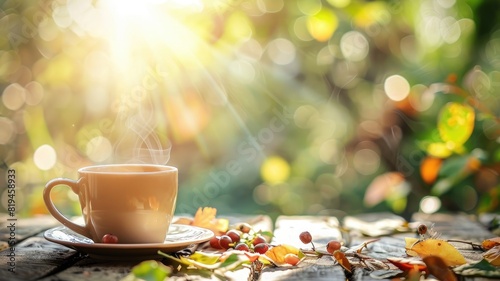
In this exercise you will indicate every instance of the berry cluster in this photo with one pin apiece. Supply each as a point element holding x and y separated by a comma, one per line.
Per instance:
<point>331,246</point>
<point>242,238</point>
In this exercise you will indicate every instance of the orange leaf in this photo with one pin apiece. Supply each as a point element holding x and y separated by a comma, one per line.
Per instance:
<point>490,243</point>
<point>429,169</point>
<point>493,255</point>
<point>407,264</point>
<point>205,218</point>
<point>277,254</point>
<point>252,256</point>
<point>438,267</point>
<point>435,247</point>
<point>342,260</point>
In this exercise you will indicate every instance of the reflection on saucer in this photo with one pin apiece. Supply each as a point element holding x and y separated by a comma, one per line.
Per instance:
<point>179,237</point>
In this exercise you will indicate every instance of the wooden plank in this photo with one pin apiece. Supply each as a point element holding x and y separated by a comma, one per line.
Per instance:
<point>322,269</point>
<point>455,226</point>
<point>322,229</point>
<point>13,230</point>
<point>34,258</point>
<point>459,227</point>
<point>90,269</point>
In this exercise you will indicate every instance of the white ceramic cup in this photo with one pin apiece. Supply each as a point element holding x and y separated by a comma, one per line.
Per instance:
<point>134,202</point>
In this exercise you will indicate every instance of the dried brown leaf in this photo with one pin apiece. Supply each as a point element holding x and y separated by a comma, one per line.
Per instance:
<point>438,267</point>
<point>493,255</point>
<point>342,260</point>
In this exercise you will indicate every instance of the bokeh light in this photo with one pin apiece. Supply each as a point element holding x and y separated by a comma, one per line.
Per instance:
<point>99,149</point>
<point>309,104</point>
<point>14,96</point>
<point>366,161</point>
<point>354,46</point>
<point>396,87</point>
<point>275,170</point>
<point>430,204</point>
<point>7,130</point>
<point>281,51</point>
<point>45,157</point>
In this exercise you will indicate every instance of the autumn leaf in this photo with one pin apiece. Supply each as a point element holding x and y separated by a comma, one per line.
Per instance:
<point>429,169</point>
<point>277,254</point>
<point>407,264</point>
<point>490,243</point>
<point>456,123</point>
<point>438,267</point>
<point>493,255</point>
<point>342,260</point>
<point>434,247</point>
<point>206,218</point>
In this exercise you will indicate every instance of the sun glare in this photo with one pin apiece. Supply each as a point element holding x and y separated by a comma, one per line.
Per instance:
<point>149,27</point>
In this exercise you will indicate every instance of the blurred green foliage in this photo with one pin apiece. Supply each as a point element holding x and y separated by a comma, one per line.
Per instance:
<point>266,106</point>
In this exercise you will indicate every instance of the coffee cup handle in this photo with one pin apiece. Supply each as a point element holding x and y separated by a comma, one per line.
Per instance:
<point>82,230</point>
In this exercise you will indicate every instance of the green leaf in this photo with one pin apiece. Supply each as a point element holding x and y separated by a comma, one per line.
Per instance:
<point>455,124</point>
<point>453,166</point>
<point>151,270</point>
<point>233,258</point>
<point>482,268</point>
<point>266,233</point>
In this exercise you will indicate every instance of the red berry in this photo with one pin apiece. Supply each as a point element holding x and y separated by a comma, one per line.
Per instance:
<point>333,246</point>
<point>225,242</point>
<point>292,259</point>
<point>258,240</point>
<point>234,234</point>
<point>261,248</point>
<point>214,242</point>
<point>305,237</point>
<point>242,247</point>
<point>245,227</point>
<point>109,239</point>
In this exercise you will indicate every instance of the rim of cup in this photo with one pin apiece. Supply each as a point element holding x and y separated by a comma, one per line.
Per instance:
<point>107,169</point>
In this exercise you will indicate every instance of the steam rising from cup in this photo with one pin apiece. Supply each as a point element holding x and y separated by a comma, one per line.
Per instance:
<point>140,143</point>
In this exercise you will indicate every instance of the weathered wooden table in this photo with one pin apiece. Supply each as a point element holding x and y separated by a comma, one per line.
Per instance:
<point>32,257</point>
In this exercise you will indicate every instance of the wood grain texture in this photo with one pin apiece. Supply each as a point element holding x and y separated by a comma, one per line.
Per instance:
<point>39,259</point>
<point>36,257</point>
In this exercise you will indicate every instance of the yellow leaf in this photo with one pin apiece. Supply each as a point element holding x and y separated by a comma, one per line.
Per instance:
<point>206,258</point>
<point>205,217</point>
<point>439,150</point>
<point>277,254</point>
<point>456,123</point>
<point>434,247</point>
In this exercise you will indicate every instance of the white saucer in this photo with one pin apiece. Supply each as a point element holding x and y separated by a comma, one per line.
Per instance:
<point>179,237</point>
